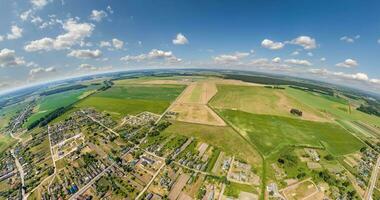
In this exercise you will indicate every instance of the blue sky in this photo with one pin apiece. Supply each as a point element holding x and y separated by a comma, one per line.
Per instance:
<point>336,41</point>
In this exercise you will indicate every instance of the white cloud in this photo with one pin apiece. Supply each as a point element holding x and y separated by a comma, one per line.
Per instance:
<point>349,39</point>
<point>276,60</point>
<point>8,58</point>
<point>310,54</point>
<point>104,44</point>
<point>75,34</point>
<point>153,54</point>
<point>269,44</point>
<point>298,62</point>
<point>16,32</point>
<point>85,53</point>
<point>228,58</point>
<point>97,15</point>
<point>118,44</point>
<point>1,38</point>
<point>87,67</point>
<point>378,41</point>
<point>345,76</point>
<point>40,70</point>
<point>109,9</point>
<point>294,53</point>
<point>25,15</point>
<point>348,63</point>
<point>180,39</point>
<point>305,41</point>
<point>39,4</point>
<point>323,59</point>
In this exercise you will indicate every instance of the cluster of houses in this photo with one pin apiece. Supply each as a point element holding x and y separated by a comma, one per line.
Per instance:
<point>365,166</point>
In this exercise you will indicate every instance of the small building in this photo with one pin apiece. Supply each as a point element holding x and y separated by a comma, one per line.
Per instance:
<point>296,112</point>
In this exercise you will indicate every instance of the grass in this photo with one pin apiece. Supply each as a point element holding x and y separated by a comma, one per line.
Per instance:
<point>334,106</point>
<point>5,142</point>
<point>271,133</point>
<point>118,108</point>
<point>8,112</point>
<point>47,104</point>
<point>224,138</point>
<point>143,92</point>
<point>212,160</point>
<point>261,100</point>
<point>234,189</point>
<point>132,99</point>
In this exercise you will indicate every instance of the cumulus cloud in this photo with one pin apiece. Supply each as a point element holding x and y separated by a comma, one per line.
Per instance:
<point>298,62</point>
<point>180,39</point>
<point>229,58</point>
<point>153,54</point>
<point>305,41</point>
<point>269,44</point>
<point>88,67</point>
<point>310,54</point>
<point>348,63</point>
<point>85,53</point>
<point>276,60</point>
<point>118,44</point>
<point>104,44</point>
<point>115,43</point>
<point>75,34</point>
<point>98,15</point>
<point>40,70</point>
<point>39,4</point>
<point>362,77</point>
<point>109,9</point>
<point>16,32</point>
<point>323,59</point>
<point>1,38</point>
<point>8,58</point>
<point>295,53</point>
<point>349,39</point>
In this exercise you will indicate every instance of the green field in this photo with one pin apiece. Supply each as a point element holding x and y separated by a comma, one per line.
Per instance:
<point>261,100</point>
<point>332,105</point>
<point>5,142</point>
<point>224,138</point>
<point>271,133</point>
<point>133,99</point>
<point>49,103</point>
<point>8,112</point>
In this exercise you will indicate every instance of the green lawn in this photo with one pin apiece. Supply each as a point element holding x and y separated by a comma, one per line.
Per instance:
<point>271,133</point>
<point>133,99</point>
<point>47,104</point>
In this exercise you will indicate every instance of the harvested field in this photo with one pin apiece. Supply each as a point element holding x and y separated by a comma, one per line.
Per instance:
<point>192,107</point>
<point>300,190</point>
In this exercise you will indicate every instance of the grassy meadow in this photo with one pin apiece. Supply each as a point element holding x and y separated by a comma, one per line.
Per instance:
<point>49,103</point>
<point>271,133</point>
<point>334,106</point>
<point>133,99</point>
<point>261,100</point>
<point>224,138</point>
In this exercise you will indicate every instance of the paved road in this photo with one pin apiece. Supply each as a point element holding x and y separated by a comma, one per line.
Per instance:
<point>372,181</point>
<point>21,171</point>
